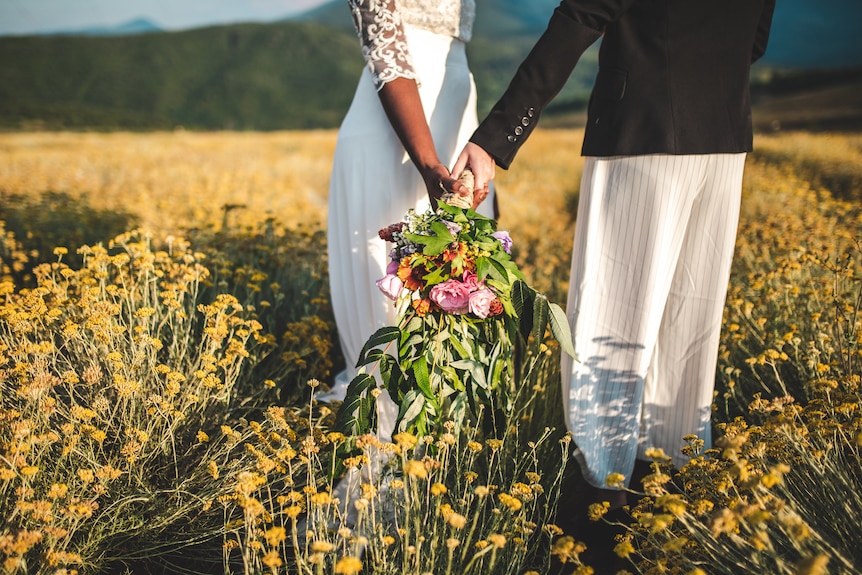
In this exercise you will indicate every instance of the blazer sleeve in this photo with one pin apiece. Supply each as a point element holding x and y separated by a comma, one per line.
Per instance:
<point>574,26</point>
<point>763,27</point>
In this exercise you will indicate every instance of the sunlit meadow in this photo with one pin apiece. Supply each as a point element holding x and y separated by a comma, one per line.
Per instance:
<point>165,323</point>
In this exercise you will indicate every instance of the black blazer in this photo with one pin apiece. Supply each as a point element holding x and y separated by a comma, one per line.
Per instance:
<point>673,77</point>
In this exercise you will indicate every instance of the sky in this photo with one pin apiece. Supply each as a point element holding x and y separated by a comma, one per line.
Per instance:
<point>35,16</point>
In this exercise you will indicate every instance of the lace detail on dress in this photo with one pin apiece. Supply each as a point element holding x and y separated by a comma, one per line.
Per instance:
<point>380,27</point>
<point>384,45</point>
<point>451,17</point>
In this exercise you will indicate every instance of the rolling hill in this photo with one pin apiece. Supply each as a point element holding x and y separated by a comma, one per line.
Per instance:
<point>245,77</point>
<point>301,73</point>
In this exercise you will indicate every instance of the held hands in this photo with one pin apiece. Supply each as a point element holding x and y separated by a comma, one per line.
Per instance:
<point>439,181</point>
<point>481,164</point>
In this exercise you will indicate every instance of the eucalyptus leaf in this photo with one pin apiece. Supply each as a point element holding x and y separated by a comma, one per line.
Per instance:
<point>420,372</point>
<point>561,331</point>
<point>474,368</point>
<point>411,409</point>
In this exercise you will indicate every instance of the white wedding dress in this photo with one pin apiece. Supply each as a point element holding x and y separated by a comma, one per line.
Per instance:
<point>373,181</point>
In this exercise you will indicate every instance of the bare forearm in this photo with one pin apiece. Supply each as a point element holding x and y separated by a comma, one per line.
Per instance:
<point>400,99</point>
<point>403,107</point>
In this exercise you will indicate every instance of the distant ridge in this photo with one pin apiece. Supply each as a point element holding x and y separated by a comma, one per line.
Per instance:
<point>301,73</point>
<point>805,33</point>
<point>237,77</point>
<point>136,26</point>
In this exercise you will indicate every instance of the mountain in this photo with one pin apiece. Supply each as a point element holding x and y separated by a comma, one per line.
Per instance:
<point>136,26</point>
<point>301,73</point>
<point>250,76</point>
<point>503,34</point>
<point>805,34</point>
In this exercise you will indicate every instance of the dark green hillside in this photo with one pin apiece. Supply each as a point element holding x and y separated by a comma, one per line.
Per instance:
<point>275,76</point>
<point>503,34</point>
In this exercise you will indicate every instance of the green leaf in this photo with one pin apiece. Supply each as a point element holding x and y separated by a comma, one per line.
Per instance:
<point>391,376</point>
<point>411,408</point>
<point>522,300</point>
<point>380,337</point>
<point>483,268</point>
<point>420,372</point>
<point>498,271</point>
<point>459,347</point>
<point>474,368</point>
<point>436,243</point>
<point>356,416</point>
<point>541,314</point>
<point>561,331</point>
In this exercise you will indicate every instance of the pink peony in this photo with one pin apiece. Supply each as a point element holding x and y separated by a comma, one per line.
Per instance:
<point>471,280</point>
<point>480,302</point>
<point>390,285</point>
<point>452,296</point>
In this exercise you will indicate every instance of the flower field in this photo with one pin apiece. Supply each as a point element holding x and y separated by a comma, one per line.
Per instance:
<point>165,324</point>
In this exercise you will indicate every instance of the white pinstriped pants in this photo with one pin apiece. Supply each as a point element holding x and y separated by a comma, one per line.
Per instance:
<point>654,241</point>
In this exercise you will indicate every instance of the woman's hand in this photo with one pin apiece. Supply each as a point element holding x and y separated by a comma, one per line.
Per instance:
<point>438,181</point>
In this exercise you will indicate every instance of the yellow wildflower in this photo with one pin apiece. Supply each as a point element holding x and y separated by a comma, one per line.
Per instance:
<point>322,547</point>
<point>624,548</point>
<point>348,566</point>
<point>415,468</point>
<point>567,549</point>
<point>275,535</point>
<point>58,490</point>
<point>673,504</point>
<point>271,560</point>
<point>513,503</point>
<point>456,520</point>
<point>813,565</point>
<point>615,480</point>
<point>597,510</point>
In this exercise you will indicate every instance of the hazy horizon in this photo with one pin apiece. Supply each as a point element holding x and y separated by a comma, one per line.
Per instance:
<point>22,17</point>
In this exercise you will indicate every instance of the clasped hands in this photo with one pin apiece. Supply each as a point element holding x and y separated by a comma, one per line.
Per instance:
<point>439,180</point>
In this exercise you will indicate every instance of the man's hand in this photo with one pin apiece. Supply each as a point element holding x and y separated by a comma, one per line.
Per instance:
<point>481,164</point>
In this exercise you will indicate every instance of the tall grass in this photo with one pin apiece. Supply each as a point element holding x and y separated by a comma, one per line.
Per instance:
<point>156,413</point>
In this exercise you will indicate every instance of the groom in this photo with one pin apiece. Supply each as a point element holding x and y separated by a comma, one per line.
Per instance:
<point>668,126</point>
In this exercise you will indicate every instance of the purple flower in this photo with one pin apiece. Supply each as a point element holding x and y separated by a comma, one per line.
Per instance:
<point>392,268</point>
<point>390,285</point>
<point>480,302</point>
<point>505,240</point>
<point>452,226</point>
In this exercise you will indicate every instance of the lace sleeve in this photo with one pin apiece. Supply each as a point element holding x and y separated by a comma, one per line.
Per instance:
<point>384,45</point>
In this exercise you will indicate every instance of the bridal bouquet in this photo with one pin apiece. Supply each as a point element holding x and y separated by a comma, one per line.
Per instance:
<point>462,303</point>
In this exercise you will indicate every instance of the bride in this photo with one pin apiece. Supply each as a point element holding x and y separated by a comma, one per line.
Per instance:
<point>413,111</point>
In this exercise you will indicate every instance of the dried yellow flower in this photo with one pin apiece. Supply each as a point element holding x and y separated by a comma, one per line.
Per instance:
<point>348,566</point>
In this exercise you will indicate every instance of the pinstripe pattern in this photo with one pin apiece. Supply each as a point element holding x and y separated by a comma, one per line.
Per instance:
<point>653,246</point>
